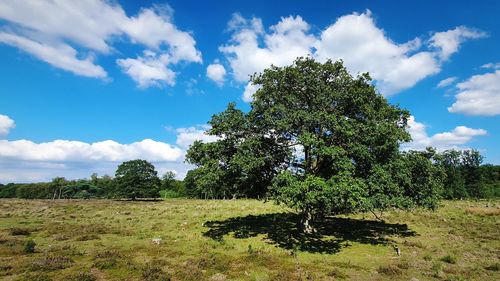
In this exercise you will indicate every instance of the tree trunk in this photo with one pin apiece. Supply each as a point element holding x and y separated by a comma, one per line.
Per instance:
<point>306,222</point>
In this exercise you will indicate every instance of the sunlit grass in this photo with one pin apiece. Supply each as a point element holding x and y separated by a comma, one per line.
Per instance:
<point>219,240</point>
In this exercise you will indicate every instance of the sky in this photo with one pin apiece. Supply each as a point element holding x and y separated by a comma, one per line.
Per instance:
<point>86,85</point>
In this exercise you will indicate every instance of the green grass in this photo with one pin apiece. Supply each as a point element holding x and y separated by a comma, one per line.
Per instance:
<point>242,240</point>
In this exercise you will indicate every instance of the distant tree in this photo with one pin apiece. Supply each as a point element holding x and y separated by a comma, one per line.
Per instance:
<point>170,187</point>
<point>472,160</point>
<point>454,182</point>
<point>136,179</point>
<point>326,142</point>
<point>56,186</point>
<point>8,190</point>
<point>168,180</point>
<point>490,175</point>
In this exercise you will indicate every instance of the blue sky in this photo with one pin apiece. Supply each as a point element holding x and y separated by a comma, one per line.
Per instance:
<point>86,85</point>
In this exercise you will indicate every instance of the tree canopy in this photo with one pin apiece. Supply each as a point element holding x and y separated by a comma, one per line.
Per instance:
<point>136,179</point>
<point>316,139</point>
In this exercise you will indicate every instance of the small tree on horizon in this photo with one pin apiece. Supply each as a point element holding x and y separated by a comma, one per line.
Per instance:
<point>136,179</point>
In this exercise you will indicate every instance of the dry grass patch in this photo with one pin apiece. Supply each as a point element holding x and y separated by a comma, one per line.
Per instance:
<point>483,211</point>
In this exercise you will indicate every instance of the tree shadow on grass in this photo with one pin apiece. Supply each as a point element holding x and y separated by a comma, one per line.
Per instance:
<point>284,230</point>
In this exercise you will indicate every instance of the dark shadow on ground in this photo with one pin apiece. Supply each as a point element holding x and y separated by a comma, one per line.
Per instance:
<point>283,230</point>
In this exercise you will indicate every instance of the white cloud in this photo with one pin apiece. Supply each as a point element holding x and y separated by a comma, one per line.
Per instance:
<point>365,48</point>
<point>187,136</point>
<point>446,82</point>
<point>491,65</point>
<point>478,95</point>
<point>77,151</point>
<point>355,38</point>
<point>87,23</point>
<point>27,161</point>
<point>60,55</point>
<point>148,70</point>
<point>456,138</point>
<point>448,42</point>
<point>286,41</point>
<point>53,31</point>
<point>250,89</point>
<point>216,72</point>
<point>29,171</point>
<point>154,30</point>
<point>6,124</point>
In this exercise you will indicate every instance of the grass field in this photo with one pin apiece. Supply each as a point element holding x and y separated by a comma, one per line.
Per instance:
<point>242,240</point>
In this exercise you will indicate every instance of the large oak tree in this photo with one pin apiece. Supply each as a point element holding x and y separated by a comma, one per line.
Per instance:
<point>318,140</point>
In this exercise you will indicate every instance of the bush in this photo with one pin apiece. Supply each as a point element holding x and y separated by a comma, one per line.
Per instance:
<point>449,259</point>
<point>29,246</point>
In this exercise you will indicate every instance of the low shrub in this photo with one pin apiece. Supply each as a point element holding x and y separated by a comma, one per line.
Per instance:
<point>449,259</point>
<point>29,246</point>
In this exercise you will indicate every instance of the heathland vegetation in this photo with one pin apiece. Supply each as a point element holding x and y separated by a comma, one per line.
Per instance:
<point>324,146</point>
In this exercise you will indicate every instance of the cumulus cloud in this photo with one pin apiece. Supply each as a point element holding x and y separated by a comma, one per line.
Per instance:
<point>187,136</point>
<point>285,42</point>
<point>216,72</point>
<point>148,70</point>
<point>154,29</point>
<point>60,55</point>
<point>448,42</point>
<point>6,124</point>
<point>53,31</point>
<point>478,95</point>
<point>355,38</point>
<point>77,151</point>
<point>456,138</point>
<point>250,89</point>
<point>446,82</point>
<point>491,65</point>
<point>27,161</point>
<point>364,47</point>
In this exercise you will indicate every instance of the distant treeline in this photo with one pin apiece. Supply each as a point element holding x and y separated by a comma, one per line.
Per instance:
<point>95,187</point>
<point>463,177</point>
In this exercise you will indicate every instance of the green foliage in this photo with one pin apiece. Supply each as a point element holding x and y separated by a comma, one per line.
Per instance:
<point>240,164</point>
<point>136,179</point>
<point>29,246</point>
<point>168,193</point>
<point>8,190</point>
<point>449,259</point>
<point>170,187</point>
<point>465,177</point>
<point>324,141</point>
